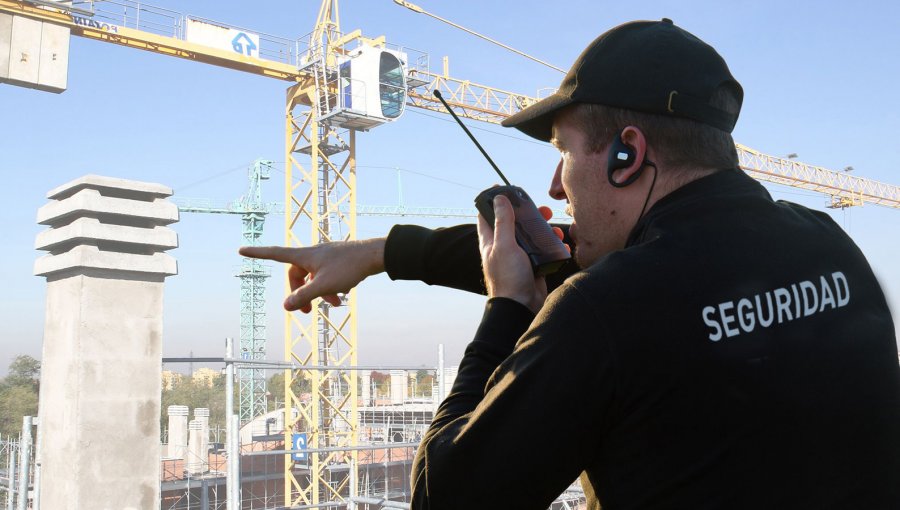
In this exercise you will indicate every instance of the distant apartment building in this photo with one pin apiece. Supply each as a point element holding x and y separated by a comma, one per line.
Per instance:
<point>171,379</point>
<point>206,376</point>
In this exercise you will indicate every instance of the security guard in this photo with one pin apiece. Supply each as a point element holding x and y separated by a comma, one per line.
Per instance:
<point>705,355</point>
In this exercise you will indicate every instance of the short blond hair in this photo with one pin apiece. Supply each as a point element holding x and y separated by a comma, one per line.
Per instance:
<point>680,143</point>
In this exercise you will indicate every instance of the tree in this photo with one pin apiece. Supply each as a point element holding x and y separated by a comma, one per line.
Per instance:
<point>16,402</point>
<point>424,383</point>
<point>382,383</point>
<point>275,385</point>
<point>19,394</point>
<point>24,370</point>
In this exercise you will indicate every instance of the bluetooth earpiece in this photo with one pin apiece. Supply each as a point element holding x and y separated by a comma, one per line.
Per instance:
<point>621,156</point>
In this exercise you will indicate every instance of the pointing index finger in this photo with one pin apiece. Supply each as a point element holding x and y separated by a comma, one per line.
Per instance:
<point>277,253</point>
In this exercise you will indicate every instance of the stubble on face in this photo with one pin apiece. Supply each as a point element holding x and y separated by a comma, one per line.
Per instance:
<point>581,181</point>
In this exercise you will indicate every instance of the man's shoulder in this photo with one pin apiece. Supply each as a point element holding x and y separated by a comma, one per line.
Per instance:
<point>632,271</point>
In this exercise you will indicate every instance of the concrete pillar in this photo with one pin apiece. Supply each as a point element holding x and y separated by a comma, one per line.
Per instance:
<point>365,379</point>
<point>178,418</point>
<point>201,414</point>
<point>399,387</point>
<point>194,464</point>
<point>449,378</point>
<point>100,377</point>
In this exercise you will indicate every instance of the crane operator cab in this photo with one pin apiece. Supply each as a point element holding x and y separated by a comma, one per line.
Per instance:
<point>371,88</point>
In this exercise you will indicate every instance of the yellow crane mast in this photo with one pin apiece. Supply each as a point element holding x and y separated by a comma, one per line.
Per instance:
<point>326,105</point>
<point>325,338</point>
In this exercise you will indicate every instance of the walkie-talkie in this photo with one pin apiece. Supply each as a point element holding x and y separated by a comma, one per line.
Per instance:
<point>546,252</point>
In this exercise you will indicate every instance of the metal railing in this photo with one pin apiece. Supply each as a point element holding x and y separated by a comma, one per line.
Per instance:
<point>168,23</point>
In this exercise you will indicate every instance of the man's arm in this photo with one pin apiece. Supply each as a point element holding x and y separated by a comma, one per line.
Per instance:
<point>323,270</point>
<point>487,443</point>
<point>516,408</point>
<point>448,257</point>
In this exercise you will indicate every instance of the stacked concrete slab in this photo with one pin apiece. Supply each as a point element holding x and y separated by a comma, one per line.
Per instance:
<point>33,53</point>
<point>100,383</point>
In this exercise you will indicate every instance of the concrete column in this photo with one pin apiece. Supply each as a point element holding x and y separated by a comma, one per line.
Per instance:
<point>449,378</point>
<point>100,377</point>
<point>399,386</point>
<point>194,464</point>
<point>439,395</point>
<point>365,393</point>
<point>201,414</point>
<point>178,418</point>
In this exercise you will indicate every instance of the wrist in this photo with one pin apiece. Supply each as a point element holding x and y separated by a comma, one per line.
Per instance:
<point>528,300</point>
<point>373,255</point>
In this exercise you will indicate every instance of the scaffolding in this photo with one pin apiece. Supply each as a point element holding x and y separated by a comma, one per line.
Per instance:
<point>395,408</point>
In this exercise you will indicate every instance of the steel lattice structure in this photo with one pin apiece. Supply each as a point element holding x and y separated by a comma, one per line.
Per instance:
<point>844,189</point>
<point>324,161</point>
<point>253,275</point>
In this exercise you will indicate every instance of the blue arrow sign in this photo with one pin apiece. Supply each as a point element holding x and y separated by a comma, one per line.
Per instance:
<point>243,44</point>
<point>299,443</point>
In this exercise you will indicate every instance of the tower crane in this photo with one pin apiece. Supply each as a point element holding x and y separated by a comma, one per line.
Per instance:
<point>253,275</point>
<point>327,104</point>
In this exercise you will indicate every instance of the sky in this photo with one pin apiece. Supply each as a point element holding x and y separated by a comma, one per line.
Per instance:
<point>819,81</point>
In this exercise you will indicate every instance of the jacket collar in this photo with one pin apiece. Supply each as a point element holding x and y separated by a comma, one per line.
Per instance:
<point>722,184</point>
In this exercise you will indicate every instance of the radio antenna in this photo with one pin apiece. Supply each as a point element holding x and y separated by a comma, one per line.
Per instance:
<point>437,94</point>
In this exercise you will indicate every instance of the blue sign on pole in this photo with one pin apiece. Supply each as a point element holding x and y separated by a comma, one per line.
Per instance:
<point>299,443</point>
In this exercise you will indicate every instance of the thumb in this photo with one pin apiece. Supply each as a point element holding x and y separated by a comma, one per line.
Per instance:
<point>301,298</point>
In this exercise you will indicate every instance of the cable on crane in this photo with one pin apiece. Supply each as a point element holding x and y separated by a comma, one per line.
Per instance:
<point>519,138</point>
<point>416,8</point>
<point>211,177</point>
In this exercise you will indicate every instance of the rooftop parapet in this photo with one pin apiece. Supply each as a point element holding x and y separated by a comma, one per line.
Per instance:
<point>107,224</point>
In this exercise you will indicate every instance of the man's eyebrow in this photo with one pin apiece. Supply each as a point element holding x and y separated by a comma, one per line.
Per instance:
<point>555,142</point>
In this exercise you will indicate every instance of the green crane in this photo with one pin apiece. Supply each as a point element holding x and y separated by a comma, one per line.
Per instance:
<point>253,211</point>
<point>253,274</point>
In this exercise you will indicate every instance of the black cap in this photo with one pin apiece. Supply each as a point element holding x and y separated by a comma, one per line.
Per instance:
<point>646,66</point>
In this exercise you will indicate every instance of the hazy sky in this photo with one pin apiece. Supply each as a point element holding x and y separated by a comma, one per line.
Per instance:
<point>819,79</point>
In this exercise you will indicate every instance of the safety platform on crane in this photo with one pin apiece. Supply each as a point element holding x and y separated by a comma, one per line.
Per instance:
<point>325,148</point>
<point>412,80</point>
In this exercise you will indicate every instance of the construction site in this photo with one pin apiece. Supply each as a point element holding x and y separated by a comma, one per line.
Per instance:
<point>337,432</point>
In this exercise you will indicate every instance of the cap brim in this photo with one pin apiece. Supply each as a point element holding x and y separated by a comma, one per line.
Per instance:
<point>536,121</point>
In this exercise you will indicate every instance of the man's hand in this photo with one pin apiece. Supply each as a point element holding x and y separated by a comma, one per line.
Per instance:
<point>507,270</point>
<point>323,270</point>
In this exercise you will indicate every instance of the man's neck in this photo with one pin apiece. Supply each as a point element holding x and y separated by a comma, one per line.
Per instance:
<point>670,179</point>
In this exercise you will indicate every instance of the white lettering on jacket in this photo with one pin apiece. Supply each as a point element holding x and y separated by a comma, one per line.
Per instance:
<point>777,306</point>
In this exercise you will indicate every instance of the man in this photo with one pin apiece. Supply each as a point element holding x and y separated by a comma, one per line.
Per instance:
<point>717,349</point>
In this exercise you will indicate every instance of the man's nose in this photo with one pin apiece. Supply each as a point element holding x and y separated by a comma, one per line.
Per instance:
<point>556,188</point>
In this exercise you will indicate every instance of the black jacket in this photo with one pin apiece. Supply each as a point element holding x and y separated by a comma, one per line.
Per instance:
<point>738,353</point>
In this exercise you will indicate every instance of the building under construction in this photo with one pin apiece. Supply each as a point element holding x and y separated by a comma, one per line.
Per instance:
<point>391,426</point>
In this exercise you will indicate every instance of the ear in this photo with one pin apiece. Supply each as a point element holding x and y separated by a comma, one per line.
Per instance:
<point>632,140</point>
